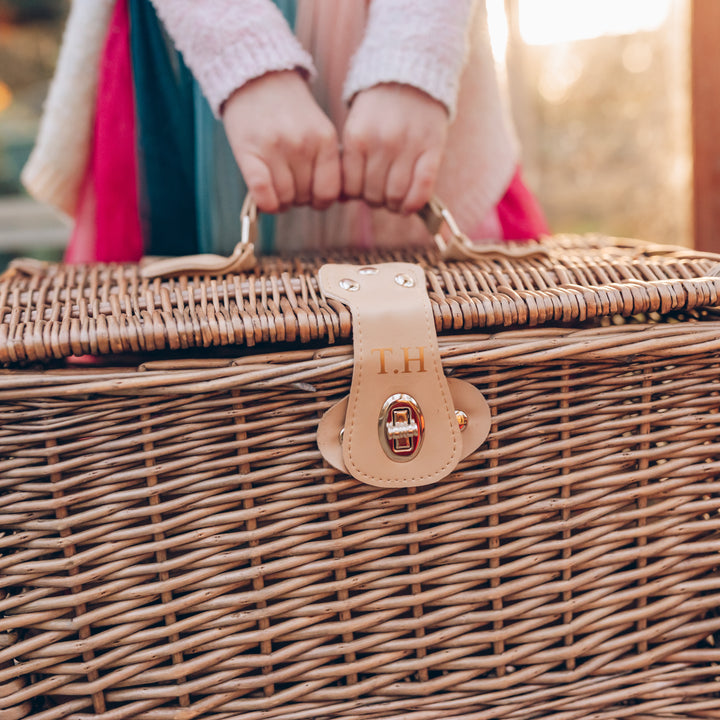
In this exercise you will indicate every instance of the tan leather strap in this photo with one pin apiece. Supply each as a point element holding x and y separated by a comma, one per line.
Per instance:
<point>400,427</point>
<point>242,259</point>
<point>451,242</point>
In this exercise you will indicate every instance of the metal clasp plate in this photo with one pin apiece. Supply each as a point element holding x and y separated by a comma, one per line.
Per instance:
<point>401,427</point>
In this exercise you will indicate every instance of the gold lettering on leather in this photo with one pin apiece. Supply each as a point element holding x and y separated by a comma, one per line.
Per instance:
<point>420,359</point>
<point>381,352</point>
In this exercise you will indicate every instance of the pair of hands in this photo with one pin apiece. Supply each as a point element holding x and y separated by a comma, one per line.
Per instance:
<point>289,153</point>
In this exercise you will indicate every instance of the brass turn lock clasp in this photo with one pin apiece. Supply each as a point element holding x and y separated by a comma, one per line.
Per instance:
<point>401,427</point>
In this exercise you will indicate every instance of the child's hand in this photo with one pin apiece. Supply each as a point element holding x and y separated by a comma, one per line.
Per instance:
<point>285,146</point>
<point>393,143</point>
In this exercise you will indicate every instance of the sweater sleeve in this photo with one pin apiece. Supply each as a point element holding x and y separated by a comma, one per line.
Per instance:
<point>226,43</point>
<point>415,42</point>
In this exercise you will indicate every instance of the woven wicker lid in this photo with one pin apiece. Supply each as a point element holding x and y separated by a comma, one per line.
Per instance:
<point>54,311</point>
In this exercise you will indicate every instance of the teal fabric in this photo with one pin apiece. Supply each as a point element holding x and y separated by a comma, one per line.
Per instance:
<point>165,136</point>
<point>191,188</point>
<point>220,189</point>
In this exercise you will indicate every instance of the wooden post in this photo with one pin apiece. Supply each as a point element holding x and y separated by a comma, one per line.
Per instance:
<point>705,91</point>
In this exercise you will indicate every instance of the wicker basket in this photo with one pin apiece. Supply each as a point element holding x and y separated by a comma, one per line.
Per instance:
<point>174,546</point>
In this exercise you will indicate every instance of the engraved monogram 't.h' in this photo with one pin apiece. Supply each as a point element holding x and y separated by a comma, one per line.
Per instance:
<point>416,357</point>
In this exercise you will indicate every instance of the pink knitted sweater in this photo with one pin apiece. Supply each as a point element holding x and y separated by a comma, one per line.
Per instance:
<point>226,43</point>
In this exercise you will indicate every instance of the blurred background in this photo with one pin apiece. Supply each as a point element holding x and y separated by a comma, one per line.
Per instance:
<point>30,33</point>
<point>601,92</point>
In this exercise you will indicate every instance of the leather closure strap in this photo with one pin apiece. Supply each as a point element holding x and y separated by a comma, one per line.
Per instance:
<point>401,428</point>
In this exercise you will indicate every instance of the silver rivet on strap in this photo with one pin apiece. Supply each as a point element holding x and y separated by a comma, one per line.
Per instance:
<point>404,280</point>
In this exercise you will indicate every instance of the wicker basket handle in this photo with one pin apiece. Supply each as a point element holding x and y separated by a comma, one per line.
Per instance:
<point>452,243</point>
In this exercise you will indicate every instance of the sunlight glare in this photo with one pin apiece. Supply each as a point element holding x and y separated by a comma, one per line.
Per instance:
<point>545,22</point>
<point>498,29</point>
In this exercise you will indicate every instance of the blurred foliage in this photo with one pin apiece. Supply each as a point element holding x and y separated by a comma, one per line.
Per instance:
<point>30,35</point>
<point>605,127</point>
<point>22,11</point>
<point>47,254</point>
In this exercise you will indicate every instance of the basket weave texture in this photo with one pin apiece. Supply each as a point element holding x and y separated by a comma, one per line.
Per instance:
<point>64,310</point>
<point>173,546</point>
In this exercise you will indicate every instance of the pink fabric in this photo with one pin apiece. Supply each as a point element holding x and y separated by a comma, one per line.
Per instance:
<point>519,212</point>
<point>107,224</point>
<point>81,247</point>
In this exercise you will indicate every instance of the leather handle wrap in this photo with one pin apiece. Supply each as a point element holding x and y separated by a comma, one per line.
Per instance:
<point>452,243</point>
